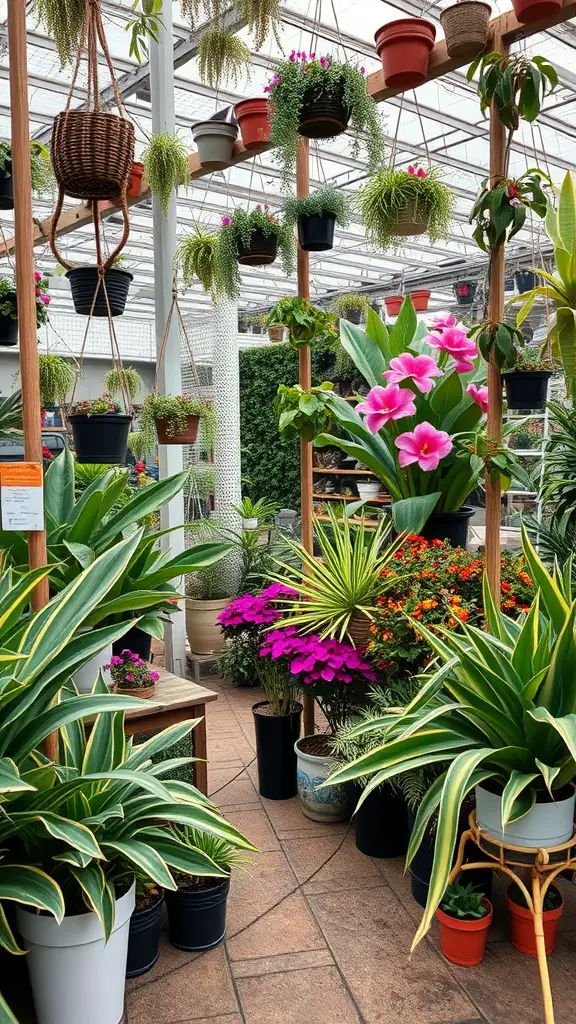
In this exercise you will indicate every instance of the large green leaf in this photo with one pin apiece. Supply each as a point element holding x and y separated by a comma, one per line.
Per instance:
<point>366,354</point>
<point>513,806</point>
<point>180,856</point>
<point>144,857</point>
<point>98,894</point>
<point>25,884</point>
<point>404,329</point>
<point>410,514</point>
<point>59,488</point>
<point>76,834</point>
<point>146,500</point>
<point>10,781</point>
<point>202,556</point>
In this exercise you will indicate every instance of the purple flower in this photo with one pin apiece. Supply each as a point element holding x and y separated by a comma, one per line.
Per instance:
<point>129,677</point>
<point>276,80</point>
<point>313,660</point>
<point>154,676</point>
<point>292,56</point>
<point>116,660</point>
<point>267,88</point>
<point>324,62</point>
<point>278,590</point>
<point>362,71</point>
<point>225,219</point>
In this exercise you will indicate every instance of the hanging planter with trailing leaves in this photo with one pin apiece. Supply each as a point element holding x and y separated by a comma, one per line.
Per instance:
<point>396,204</point>
<point>100,431</point>
<point>251,239</point>
<point>316,216</point>
<point>174,419</point>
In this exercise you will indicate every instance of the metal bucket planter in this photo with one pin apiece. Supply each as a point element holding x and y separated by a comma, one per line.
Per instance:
<point>215,141</point>
<point>404,48</point>
<point>101,439</point>
<point>466,28</point>
<point>84,282</point>
<point>262,250</point>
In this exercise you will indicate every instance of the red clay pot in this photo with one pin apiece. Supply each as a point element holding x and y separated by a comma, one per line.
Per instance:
<point>522,927</point>
<point>532,10</point>
<point>420,300</point>
<point>463,942</point>
<point>135,186</point>
<point>252,116</point>
<point>404,48</point>
<point>393,304</point>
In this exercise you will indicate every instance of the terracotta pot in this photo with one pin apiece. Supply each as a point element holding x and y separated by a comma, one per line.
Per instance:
<point>393,304</point>
<point>252,116</point>
<point>463,942</point>
<point>420,300</point>
<point>135,186</point>
<point>188,436</point>
<point>465,26</point>
<point>404,48</point>
<point>144,692</point>
<point>202,627</point>
<point>532,10</point>
<point>522,927</point>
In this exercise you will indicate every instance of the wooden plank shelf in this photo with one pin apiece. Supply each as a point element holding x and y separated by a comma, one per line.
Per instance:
<point>370,523</point>
<point>343,472</point>
<point>379,500</point>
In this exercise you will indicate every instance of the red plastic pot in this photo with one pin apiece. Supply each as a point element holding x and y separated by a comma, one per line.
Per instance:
<point>522,927</point>
<point>420,300</point>
<point>393,304</point>
<point>463,942</point>
<point>135,187</point>
<point>404,48</point>
<point>252,116</point>
<point>532,10</point>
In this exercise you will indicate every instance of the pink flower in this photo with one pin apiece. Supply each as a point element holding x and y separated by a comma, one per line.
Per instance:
<point>276,80</point>
<point>420,369</point>
<point>424,445</point>
<point>129,677</point>
<point>440,323</point>
<point>362,71</point>
<point>45,299</point>
<point>480,396</point>
<point>421,173</point>
<point>411,169</point>
<point>267,88</point>
<point>292,56</point>
<point>324,62</point>
<point>37,275</point>
<point>38,292</point>
<point>456,342</point>
<point>385,404</point>
<point>154,676</point>
<point>225,221</point>
<point>312,56</point>
<point>116,660</point>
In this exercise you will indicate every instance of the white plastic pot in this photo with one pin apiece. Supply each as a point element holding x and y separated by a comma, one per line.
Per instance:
<point>74,975</point>
<point>86,676</point>
<point>250,524</point>
<point>329,804</point>
<point>547,824</point>
<point>215,141</point>
<point>369,489</point>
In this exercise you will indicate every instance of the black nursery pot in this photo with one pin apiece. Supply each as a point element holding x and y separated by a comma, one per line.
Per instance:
<point>197,918</point>
<point>421,864</point>
<point>525,280</point>
<point>8,330</point>
<point>143,940</point>
<point>101,439</point>
<point>275,739</point>
<point>6,193</point>
<point>381,824</point>
<point>84,282</point>
<point>135,640</point>
<point>323,115</point>
<point>262,250</point>
<point>450,526</point>
<point>465,292</point>
<point>316,232</point>
<point>526,389</point>
<point>354,316</point>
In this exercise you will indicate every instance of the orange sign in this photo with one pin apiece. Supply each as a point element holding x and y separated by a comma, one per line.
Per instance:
<point>21,474</point>
<point>22,496</point>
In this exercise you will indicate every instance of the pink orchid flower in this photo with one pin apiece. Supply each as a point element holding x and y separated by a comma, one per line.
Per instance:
<point>456,342</point>
<point>424,445</point>
<point>385,404</point>
<point>420,369</point>
<point>480,396</point>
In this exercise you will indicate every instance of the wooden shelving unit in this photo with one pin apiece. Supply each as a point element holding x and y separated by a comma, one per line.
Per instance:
<point>383,499</point>
<point>371,524</point>
<point>343,472</point>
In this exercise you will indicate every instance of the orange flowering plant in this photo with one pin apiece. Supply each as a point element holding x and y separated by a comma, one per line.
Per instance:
<point>437,585</point>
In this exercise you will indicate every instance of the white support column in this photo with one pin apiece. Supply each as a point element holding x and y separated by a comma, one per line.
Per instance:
<point>226,389</point>
<point>169,375</point>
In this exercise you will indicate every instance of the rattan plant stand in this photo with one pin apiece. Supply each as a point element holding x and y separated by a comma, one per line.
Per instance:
<point>544,866</point>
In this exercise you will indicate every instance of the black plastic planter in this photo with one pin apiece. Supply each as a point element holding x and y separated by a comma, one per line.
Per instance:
<point>262,250</point>
<point>84,282</point>
<point>465,292</point>
<point>275,739</point>
<point>6,193</point>
<point>101,439</point>
<point>421,867</point>
<point>316,232</point>
<point>450,526</point>
<point>381,824</point>
<point>143,940</point>
<point>135,640</point>
<point>525,281</point>
<point>526,389</point>
<point>8,331</point>
<point>197,917</point>
<point>323,115</point>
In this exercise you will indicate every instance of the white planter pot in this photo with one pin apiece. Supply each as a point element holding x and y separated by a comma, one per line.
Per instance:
<point>250,524</point>
<point>369,490</point>
<point>547,824</point>
<point>75,976</point>
<point>86,676</point>
<point>329,804</point>
<point>202,628</point>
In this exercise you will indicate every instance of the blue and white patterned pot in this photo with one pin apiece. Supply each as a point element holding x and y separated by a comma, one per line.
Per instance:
<point>329,804</point>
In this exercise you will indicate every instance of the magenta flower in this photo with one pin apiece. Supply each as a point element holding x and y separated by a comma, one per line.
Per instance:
<point>420,369</point>
<point>154,676</point>
<point>129,677</point>
<point>225,221</point>
<point>292,56</point>
<point>324,62</point>
<point>312,56</point>
<point>116,660</point>
<point>424,445</point>
<point>277,591</point>
<point>385,404</point>
<point>45,299</point>
<point>456,342</point>
<point>276,80</point>
<point>37,275</point>
<point>440,323</point>
<point>249,610</point>
<point>480,396</point>
<point>267,88</point>
<point>362,71</point>
<point>313,660</point>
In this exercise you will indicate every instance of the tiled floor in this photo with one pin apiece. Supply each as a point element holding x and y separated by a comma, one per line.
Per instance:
<point>320,934</point>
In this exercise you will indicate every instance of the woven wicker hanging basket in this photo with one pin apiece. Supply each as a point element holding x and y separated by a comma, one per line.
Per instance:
<point>466,27</point>
<point>92,153</point>
<point>412,220</point>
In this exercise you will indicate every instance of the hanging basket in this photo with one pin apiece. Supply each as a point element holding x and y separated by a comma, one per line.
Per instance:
<point>84,282</point>
<point>252,117</point>
<point>276,333</point>
<point>8,331</point>
<point>187,436</point>
<point>323,115</point>
<point>420,300</point>
<point>316,232</point>
<point>92,153</point>
<point>526,389</point>
<point>412,220</point>
<point>466,28</point>
<point>262,251</point>
<point>404,48</point>
<point>6,193</point>
<point>525,280</point>
<point>465,292</point>
<point>533,10</point>
<point>101,439</point>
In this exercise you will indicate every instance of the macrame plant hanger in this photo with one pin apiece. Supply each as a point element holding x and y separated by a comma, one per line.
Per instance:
<point>175,306</point>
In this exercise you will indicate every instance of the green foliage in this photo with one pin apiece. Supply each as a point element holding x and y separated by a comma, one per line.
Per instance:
<point>236,231</point>
<point>515,84</point>
<point>62,20</point>
<point>297,83</point>
<point>165,166</point>
<point>534,358</point>
<point>464,902</point>
<point>175,410</point>
<point>94,406</point>
<point>239,661</point>
<point>197,257</point>
<point>500,338</point>
<point>324,200</point>
<point>263,510</point>
<point>10,415</point>
<point>262,19</point>
<point>352,303</point>
<point>122,379</point>
<point>219,851</point>
<point>55,379</point>
<point>560,466</point>
<point>40,166</point>
<point>222,56</point>
<point>304,413</point>
<point>145,25</point>
<point>9,299</point>
<point>390,191</point>
<point>139,444</point>
<point>307,324</point>
<point>499,213</point>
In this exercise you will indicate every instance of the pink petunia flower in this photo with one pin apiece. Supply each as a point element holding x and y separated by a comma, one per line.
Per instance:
<point>37,275</point>
<point>421,173</point>
<point>456,342</point>
<point>267,88</point>
<point>45,299</point>
<point>420,369</point>
<point>129,677</point>
<point>424,445</point>
<point>225,221</point>
<point>385,404</point>
<point>480,396</point>
<point>154,676</point>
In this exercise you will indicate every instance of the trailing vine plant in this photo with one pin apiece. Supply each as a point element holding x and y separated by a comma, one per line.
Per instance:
<point>63,20</point>
<point>196,256</point>
<point>323,200</point>
<point>43,179</point>
<point>122,379</point>
<point>55,379</point>
<point>391,190</point>
<point>237,230</point>
<point>222,55</point>
<point>165,166</point>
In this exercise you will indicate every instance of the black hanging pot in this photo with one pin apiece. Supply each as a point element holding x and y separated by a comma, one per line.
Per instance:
<point>449,526</point>
<point>275,739</point>
<point>197,917</point>
<point>6,192</point>
<point>84,282</point>
<point>8,331</point>
<point>381,824</point>
<point>525,281</point>
<point>354,316</point>
<point>465,292</point>
<point>135,640</point>
<point>316,232</point>
<point>101,439</point>
<point>526,389</point>
<point>263,250</point>
<point>323,114</point>
<point>143,939</point>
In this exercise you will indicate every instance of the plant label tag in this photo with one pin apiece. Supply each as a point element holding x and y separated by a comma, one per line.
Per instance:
<point>22,495</point>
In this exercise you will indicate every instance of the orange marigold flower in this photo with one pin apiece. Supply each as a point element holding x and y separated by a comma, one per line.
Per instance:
<point>506,587</point>
<point>451,623</point>
<point>510,603</point>
<point>428,604</point>
<point>437,543</point>
<point>455,599</point>
<point>453,568</point>
<point>372,629</point>
<point>526,579</point>
<point>462,614</point>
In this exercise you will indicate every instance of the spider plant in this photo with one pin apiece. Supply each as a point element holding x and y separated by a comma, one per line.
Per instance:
<point>165,166</point>
<point>197,257</point>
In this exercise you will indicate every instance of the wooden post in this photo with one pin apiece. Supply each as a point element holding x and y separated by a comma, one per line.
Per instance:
<point>305,380</point>
<point>498,170</point>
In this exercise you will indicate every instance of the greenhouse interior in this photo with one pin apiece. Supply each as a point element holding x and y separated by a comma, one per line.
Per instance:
<point>288,643</point>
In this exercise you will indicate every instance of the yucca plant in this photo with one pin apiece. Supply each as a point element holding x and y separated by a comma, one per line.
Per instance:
<point>222,56</point>
<point>165,166</point>
<point>122,379</point>
<point>497,705</point>
<point>197,257</point>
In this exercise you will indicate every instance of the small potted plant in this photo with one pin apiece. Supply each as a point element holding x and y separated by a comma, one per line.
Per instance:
<point>316,216</point>
<point>464,292</point>
<point>166,167</point>
<point>256,515</point>
<point>55,380</point>
<point>351,307</point>
<point>122,380</point>
<point>305,323</point>
<point>100,431</point>
<point>196,257</point>
<point>396,203</point>
<point>144,934</point>
<point>253,120</point>
<point>465,25</point>
<point>404,47</point>
<point>96,296</point>
<point>393,304</point>
<point>302,413</point>
<point>522,921</point>
<point>174,419</point>
<point>464,917</point>
<point>40,168</point>
<point>526,384</point>
<point>215,141</point>
<point>251,239</point>
<point>319,97</point>
<point>132,675</point>
<point>9,308</point>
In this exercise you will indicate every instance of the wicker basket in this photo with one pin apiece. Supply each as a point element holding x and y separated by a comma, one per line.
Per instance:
<point>466,28</point>
<point>276,333</point>
<point>92,153</point>
<point>412,220</point>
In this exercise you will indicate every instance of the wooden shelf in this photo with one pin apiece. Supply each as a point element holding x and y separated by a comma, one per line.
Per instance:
<point>370,523</point>
<point>378,500</point>
<point>343,472</point>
